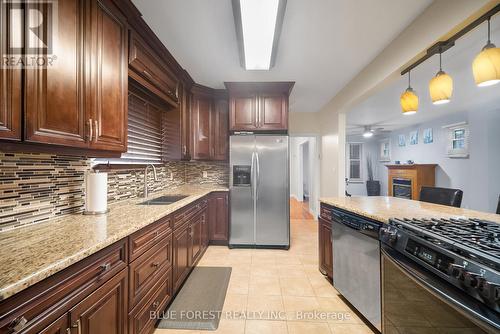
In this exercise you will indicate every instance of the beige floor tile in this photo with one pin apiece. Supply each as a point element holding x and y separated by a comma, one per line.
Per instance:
<point>235,302</point>
<point>302,327</point>
<point>299,308</point>
<point>263,270</point>
<point>296,286</point>
<point>240,270</point>
<point>349,329</point>
<point>229,327</point>
<point>269,307</point>
<point>265,327</point>
<point>264,285</point>
<point>238,285</point>
<point>175,331</point>
<point>291,270</point>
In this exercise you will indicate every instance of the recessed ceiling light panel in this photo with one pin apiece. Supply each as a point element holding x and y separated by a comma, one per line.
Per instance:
<point>258,25</point>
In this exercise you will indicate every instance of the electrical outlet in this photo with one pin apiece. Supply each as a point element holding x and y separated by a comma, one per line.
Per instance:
<point>205,174</point>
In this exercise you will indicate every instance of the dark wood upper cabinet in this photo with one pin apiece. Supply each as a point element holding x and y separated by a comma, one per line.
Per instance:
<point>243,112</point>
<point>54,96</point>
<point>109,75</point>
<point>273,112</point>
<point>81,100</point>
<point>147,68</point>
<point>200,117</point>
<point>258,106</point>
<point>10,84</point>
<point>220,125</point>
<point>209,124</point>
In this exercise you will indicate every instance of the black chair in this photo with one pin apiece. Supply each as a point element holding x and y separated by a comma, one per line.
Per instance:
<point>498,205</point>
<point>443,196</point>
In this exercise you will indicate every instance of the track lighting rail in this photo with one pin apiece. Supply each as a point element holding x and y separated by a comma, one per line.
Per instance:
<point>442,46</point>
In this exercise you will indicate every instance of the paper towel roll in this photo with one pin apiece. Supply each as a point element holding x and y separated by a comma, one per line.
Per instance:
<point>96,193</point>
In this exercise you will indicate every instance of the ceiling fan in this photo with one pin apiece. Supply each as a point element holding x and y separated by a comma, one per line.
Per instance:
<point>366,130</point>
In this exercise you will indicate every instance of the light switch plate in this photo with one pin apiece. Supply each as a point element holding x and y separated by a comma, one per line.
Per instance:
<point>205,174</point>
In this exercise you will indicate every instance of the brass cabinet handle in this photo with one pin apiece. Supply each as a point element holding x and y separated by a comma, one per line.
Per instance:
<point>184,150</point>
<point>90,129</point>
<point>147,73</point>
<point>157,233</point>
<point>78,326</point>
<point>155,305</point>
<point>18,324</point>
<point>155,264</point>
<point>96,130</point>
<point>68,330</point>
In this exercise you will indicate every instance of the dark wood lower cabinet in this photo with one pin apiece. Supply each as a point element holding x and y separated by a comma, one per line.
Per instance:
<point>325,247</point>
<point>218,218</point>
<point>115,290</point>
<point>105,310</point>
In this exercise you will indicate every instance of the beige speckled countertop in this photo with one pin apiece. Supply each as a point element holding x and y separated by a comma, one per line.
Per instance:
<point>381,208</point>
<point>31,253</point>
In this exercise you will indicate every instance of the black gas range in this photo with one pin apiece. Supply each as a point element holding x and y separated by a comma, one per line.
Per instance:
<point>457,260</point>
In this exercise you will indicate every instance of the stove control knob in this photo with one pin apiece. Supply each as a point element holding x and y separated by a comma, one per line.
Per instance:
<point>389,235</point>
<point>472,279</point>
<point>456,270</point>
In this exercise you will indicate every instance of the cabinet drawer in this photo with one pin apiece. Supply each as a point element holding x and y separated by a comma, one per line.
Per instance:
<point>142,240</point>
<point>144,271</point>
<point>326,212</point>
<point>186,214</point>
<point>155,74</point>
<point>140,321</point>
<point>46,301</point>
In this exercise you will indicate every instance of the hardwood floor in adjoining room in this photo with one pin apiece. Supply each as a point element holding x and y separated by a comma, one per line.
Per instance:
<point>299,210</point>
<point>285,286</point>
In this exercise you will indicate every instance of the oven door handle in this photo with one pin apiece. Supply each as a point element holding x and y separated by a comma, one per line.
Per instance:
<point>469,307</point>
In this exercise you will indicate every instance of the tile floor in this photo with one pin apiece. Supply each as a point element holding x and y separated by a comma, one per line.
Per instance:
<point>279,292</point>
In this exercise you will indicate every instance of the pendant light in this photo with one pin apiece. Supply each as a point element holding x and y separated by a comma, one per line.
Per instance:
<point>486,65</point>
<point>409,99</point>
<point>441,86</point>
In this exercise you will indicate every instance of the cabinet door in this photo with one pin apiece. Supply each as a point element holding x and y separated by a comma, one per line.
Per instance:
<point>218,218</point>
<point>181,240</point>
<point>325,248</point>
<point>107,32</point>
<point>10,81</point>
<point>54,101</point>
<point>202,145</point>
<point>60,326</point>
<point>243,112</point>
<point>105,310</point>
<point>220,124</point>
<point>196,238</point>
<point>273,114</point>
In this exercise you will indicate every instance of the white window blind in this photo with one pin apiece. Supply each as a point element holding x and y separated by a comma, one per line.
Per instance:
<point>145,137</point>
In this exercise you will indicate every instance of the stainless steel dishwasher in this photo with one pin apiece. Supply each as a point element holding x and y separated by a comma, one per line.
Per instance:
<point>356,263</point>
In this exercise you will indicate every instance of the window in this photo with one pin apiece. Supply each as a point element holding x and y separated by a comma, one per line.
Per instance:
<point>458,140</point>
<point>145,135</point>
<point>354,161</point>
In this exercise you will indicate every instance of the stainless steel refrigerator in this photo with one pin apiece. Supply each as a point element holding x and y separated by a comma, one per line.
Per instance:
<point>259,191</point>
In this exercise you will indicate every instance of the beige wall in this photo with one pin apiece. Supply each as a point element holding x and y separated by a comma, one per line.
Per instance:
<point>441,19</point>
<point>304,123</point>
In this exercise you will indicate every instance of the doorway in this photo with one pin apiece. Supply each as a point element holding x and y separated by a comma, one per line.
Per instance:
<point>304,165</point>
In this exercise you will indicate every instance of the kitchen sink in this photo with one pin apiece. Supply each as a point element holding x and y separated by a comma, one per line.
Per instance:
<point>163,200</point>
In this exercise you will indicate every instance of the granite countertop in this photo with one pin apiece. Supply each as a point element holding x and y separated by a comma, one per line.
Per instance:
<point>381,208</point>
<point>31,253</point>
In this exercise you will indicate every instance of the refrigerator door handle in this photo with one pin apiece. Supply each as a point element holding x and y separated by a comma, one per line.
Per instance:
<point>257,181</point>
<point>252,178</point>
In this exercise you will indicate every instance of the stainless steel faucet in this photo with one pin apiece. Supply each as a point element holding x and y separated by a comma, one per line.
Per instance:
<point>146,179</point>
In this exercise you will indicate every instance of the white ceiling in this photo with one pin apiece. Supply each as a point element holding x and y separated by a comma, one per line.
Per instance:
<point>323,44</point>
<point>383,107</point>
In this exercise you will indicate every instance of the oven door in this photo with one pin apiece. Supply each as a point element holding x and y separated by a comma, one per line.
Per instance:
<point>415,300</point>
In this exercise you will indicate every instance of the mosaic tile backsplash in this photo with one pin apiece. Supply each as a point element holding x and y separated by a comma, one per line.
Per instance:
<point>36,187</point>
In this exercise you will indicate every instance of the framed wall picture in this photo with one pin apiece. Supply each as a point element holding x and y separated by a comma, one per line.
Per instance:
<point>428,138</point>
<point>385,150</point>
<point>401,140</point>
<point>414,137</point>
